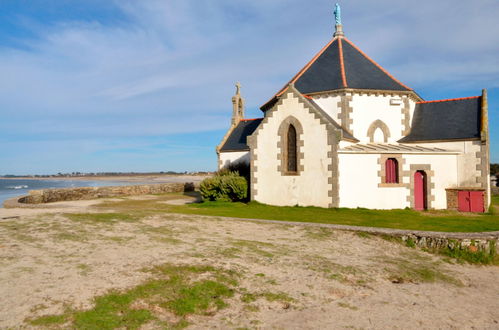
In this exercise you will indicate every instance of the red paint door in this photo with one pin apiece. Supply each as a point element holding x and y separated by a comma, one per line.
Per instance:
<point>476,201</point>
<point>463,200</point>
<point>420,190</point>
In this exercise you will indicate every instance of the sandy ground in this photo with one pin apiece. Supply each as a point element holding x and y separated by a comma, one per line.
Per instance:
<point>337,279</point>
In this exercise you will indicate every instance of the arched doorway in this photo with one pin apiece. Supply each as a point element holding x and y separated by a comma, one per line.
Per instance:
<point>420,189</point>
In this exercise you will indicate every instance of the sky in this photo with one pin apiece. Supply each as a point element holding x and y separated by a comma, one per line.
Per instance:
<point>128,85</point>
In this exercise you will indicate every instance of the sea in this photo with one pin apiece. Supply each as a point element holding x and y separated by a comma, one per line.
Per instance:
<point>17,187</point>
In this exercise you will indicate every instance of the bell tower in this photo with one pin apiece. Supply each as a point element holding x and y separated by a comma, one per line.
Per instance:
<point>237,106</point>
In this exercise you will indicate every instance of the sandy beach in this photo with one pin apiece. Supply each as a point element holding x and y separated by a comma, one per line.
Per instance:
<point>59,257</point>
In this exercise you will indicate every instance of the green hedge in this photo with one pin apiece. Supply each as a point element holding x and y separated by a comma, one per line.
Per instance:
<point>224,186</point>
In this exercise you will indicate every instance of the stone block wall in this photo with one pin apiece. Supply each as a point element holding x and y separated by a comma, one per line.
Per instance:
<point>86,193</point>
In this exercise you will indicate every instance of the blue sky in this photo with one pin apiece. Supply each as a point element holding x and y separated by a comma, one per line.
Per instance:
<point>126,85</point>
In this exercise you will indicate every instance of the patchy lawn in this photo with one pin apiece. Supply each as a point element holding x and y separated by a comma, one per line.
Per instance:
<point>446,221</point>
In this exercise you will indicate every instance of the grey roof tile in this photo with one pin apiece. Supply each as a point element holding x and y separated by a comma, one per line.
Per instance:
<point>237,139</point>
<point>446,120</point>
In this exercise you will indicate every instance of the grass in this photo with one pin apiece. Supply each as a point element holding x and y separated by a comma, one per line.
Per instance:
<point>480,256</point>
<point>446,221</point>
<point>101,218</point>
<point>267,295</point>
<point>176,290</point>
<point>416,270</point>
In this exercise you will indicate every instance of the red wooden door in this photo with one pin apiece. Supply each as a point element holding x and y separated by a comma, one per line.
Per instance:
<point>476,201</point>
<point>463,200</point>
<point>470,201</point>
<point>420,190</point>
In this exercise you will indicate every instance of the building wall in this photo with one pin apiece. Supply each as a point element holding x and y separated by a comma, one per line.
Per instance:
<point>269,184</point>
<point>330,104</point>
<point>227,158</point>
<point>445,175</point>
<point>467,161</point>
<point>361,186</point>
<point>369,108</point>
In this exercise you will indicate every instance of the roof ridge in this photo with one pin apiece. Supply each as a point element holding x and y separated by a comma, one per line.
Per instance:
<point>342,64</point>
<point>250,119</point>
<point>376,64</point>
<point>448,100</point>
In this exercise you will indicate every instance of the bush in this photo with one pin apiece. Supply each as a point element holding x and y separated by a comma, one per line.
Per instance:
<point>224,186</point>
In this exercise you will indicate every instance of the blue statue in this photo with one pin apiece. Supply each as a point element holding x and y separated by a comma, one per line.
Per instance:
<point>337,14</point>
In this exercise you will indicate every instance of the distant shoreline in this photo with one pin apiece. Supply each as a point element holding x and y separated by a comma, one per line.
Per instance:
<point>124,178</point>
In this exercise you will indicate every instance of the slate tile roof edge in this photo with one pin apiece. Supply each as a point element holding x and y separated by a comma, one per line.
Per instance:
<point>251,119</point>
<point>450,100</point>
<point>342,64</point>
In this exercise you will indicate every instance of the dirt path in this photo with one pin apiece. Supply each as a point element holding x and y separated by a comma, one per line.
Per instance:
<point>333,279</point>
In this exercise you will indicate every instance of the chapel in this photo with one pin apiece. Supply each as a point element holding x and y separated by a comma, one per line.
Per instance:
<point>343,132</point>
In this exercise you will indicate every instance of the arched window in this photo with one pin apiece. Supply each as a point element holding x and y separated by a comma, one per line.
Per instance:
<point>391,171</point>
<point>291,150</point>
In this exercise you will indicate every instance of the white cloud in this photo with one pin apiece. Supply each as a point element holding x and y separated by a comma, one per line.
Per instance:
<point>169,67</point>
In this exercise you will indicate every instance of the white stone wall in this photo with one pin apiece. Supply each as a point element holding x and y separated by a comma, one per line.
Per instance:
<point>358,181</point>
<point>369,108</point>
<point>310,187</point>
<point>227,158</point>
<point>358,185</point>
<point>329,103</point>
<point>445,174</point>
<point>466,161</point>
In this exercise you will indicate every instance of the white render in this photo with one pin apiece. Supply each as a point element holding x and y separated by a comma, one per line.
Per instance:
<point>232,157</point>
<point>308,188</point>
<point>329,103</point>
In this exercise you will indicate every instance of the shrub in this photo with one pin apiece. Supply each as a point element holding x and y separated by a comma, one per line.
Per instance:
<point>224,186</point>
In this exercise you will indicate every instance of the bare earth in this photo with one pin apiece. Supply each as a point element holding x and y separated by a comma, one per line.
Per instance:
<point>336,279</point>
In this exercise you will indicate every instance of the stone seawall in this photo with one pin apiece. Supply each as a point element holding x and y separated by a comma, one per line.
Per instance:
<point>86,193</point>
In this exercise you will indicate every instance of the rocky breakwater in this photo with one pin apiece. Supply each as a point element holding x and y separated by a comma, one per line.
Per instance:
<point>86,193</point>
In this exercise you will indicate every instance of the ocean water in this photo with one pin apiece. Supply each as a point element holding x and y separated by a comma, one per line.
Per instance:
<point>13,187</point>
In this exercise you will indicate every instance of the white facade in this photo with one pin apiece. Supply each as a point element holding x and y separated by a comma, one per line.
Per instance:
<point>232,157</point>
<point>311,186</point>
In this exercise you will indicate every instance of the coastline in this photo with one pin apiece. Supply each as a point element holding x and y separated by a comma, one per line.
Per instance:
<point>122,178</point>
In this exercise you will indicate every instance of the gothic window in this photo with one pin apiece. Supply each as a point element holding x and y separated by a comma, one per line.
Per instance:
<point>292,165</point>
<point>391,171</point>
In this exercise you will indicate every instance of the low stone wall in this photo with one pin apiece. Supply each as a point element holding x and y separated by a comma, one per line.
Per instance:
<point>485,243</point>
<point>86,193</point>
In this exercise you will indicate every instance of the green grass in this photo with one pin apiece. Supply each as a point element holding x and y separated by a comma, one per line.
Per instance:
<point>269,296</point>
<point>415,270</point>
<point>101,218</point>
<point>447,221</point>
<point>175,289</point>
<point>480,256</point>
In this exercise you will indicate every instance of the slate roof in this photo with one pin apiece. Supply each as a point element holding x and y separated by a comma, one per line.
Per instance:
<point>340,64</point>
<point>391,148</point>
<point>444,120</point>
<point>237,139</point>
